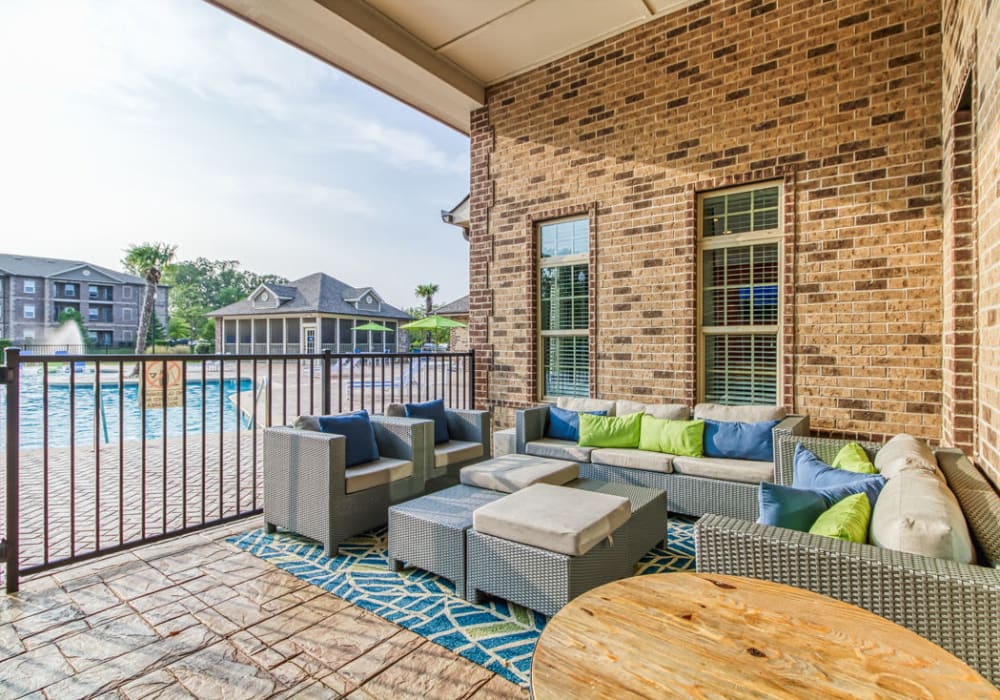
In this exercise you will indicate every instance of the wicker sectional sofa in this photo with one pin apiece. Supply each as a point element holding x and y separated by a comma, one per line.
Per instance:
<point>694,485</point>
<point>955,605</point>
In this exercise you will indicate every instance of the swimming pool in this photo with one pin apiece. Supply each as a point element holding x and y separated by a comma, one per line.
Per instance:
<point>220,412</point>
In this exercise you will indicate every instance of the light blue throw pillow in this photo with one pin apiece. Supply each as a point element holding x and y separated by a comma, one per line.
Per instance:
<point>797,508</point>
<point>737,440</point>
<point>810,472</point>
<point>564,424</point>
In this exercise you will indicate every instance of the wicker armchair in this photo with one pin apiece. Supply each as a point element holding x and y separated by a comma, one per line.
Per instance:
<point>306,483</point>
<point>469,443</point>
<point>957,606</point>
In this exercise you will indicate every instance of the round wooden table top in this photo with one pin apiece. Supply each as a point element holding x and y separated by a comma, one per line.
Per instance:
<point>714,636</point>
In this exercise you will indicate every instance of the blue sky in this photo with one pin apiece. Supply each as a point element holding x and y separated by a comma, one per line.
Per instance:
<point>169,120</point>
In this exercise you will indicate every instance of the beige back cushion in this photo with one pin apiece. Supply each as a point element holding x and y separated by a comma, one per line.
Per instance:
<point>917,513</point>
<point>905,453</point>
<point>307,423</point>
<point>743,414</point>
<point>573,404</point>
<point>668,411</point>
<point>395,410</point>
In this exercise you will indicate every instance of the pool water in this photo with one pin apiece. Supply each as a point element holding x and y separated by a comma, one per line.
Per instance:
<point>220,413</point>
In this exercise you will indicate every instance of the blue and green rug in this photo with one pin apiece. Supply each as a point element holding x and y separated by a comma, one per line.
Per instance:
<point>497,635</point>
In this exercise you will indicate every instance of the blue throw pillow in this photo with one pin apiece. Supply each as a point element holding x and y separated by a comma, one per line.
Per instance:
<point>434,410</point>
<point>360,446</point>
<point>810,472</point>
<point>564,424</point>
<point>736,440</point>
<point>797,508</point>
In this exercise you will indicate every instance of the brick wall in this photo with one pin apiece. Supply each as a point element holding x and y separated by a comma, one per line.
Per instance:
<point>840,101</point>
<point>971,134</point>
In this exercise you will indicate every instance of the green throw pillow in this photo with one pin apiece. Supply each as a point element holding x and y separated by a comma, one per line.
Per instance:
<point>675,437</point>
<point>610,431</point>
<point>853,458</point>
<point>846,519</point>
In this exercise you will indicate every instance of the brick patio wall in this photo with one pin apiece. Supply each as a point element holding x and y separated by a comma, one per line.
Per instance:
<point>840,101</point>
<point>971,52</point>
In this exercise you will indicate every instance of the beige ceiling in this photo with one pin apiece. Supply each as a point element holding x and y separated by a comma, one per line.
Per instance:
<point>440,55</point>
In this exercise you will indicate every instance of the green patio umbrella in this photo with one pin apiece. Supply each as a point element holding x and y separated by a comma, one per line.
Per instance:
<point>432,323</point>
<point>371,326</point>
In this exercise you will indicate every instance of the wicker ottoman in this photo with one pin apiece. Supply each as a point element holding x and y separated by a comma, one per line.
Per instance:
<point>545,580</point>
<point>429,532</point>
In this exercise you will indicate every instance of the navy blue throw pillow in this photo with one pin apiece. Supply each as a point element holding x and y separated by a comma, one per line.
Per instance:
<point>564,424</point>
<point>736,440</point>
<point>433,410</point>
<point>360,446</point>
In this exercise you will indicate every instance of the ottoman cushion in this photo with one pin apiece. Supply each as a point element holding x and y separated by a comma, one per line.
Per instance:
<point>512,473</point>
<point>556,518</point>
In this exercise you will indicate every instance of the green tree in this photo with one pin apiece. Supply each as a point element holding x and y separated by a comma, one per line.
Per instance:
<point>156,332</point>
<point>147,260</point>
<point>201,285</point>
<point>427,291</point>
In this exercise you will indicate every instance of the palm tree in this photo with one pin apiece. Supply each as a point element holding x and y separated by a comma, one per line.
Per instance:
<point>147,260</point>
<point>427,291</point>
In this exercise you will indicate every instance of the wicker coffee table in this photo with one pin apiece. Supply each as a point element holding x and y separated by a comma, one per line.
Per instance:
<point>430,532</point>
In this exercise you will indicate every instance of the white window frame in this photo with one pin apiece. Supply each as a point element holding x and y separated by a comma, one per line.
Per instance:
<point>126,313</point>
<point>740,240</point>
<point>126,292</point>
<point>29,286</point>
<point>28,311</point>
<point>560,261</point>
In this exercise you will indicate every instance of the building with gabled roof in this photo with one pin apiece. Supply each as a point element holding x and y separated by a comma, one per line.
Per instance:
<point>317,312</point>
<point>34,291</point>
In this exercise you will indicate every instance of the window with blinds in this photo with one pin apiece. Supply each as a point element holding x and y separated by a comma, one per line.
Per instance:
<point>564,312</point>
<point>739,305</point>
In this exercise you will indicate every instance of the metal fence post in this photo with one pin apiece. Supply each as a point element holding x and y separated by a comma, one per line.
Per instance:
<point>327,367</point>
<point>12,358</point>
<point>472,379</point>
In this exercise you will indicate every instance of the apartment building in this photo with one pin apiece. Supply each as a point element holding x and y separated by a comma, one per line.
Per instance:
<point>35,291</point>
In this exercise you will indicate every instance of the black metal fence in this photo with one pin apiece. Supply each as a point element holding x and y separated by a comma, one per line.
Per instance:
<point>109,452</point>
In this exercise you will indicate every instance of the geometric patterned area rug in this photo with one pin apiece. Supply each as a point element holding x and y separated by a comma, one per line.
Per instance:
<point>497,635</point>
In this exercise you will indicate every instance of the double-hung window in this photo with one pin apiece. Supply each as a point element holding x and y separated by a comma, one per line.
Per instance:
<point>740,300</point>
<point>564,319</point>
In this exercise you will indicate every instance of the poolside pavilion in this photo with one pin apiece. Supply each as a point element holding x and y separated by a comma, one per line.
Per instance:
<point>788,202</point>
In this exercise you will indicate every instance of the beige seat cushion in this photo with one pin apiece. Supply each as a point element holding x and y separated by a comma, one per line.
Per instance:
<point>668,411</point>
<point>514,472</point>
<point>743,414</point>
<point>633,459</point>
<point>917,513</point>
<point>558,449</point>
<point>556,518</point>
<point>572,404</point>
<point>378,473</point>
<point>743,470</point>
<point>905,453</point>
<point>455,451</point>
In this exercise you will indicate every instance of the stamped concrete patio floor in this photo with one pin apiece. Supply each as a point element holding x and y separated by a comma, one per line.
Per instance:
<point>195,617</point>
